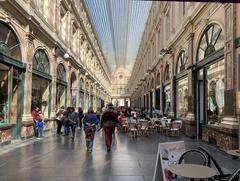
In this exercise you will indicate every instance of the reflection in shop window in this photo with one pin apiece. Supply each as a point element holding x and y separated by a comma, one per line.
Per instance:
<point>182,97</point>
<point>40,94</point>
<point>60,98</point>
<point>216,87</point>
<point>167,98</point>
<point>4,93</point>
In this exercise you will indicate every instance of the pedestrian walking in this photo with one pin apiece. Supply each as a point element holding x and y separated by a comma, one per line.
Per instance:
<point>66,121</point>
<point>90,122</point>
<point>73,121</point>
<point>35,117</point>
<point>59,119</point>
<point>80,116</point>
<point>109,121</point>
<point>39,128</point>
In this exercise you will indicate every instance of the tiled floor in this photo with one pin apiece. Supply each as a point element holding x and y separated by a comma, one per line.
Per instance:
<point>59,159</point>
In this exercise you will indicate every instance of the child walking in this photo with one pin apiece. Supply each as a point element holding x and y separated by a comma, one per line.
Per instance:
<point>39,128</point>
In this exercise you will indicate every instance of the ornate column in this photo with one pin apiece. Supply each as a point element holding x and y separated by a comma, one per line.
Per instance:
<point>161,90</point>
<point>27,123</point>
<point>54,86</point>
<point>171,69</point>
<point>78,90</point>
<point>190,123</point>
<point>230,122</point>
<point>85,94</point>
<point>69,94</point>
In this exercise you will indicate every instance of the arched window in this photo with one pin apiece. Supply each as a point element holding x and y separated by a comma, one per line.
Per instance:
<point>166,73</point>
<point>9,43</point>
<point>41,62</point>
<point>181,62</point>
<point>211,41</point>
<point>73,80</point>
<point>61,72</point>
<point>157,82</point>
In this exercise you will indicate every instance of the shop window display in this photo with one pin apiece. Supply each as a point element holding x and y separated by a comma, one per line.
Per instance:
<point>215,93</point>
<point>81,93</point>
<point>40,94</point>
<point>60,98</point>
<point>167,98</point>
<point>182,87</point>
<point>182,97</point>
<point>40,84</point>
<point>4,93</point>
<point>61,88</point>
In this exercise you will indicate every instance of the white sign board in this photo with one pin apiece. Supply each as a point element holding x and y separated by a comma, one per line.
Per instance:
<point>168,154</point>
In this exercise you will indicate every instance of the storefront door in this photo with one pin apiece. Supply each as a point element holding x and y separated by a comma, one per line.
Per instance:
<point>200,102</point>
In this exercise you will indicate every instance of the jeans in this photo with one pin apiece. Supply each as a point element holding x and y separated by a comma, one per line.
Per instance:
<point>89,144</point>
<point>59,126</point>
<point>73,127</point>
<point>40,132</point>
<point>109,131</point>
<point>66,128</point>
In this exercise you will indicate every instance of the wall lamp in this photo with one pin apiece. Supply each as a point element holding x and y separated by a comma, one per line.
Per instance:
<point>66,55</point>
<point>166,51</point>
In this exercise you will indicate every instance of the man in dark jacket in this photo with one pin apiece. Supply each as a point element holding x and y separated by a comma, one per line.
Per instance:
<point>108,122</point>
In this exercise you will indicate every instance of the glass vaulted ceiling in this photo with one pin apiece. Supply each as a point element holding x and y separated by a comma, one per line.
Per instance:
<point>119,25</point>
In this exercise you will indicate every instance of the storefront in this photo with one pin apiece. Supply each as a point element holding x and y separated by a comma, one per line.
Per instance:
<point>157,92</point>
<point>166,91</point>
<point>11,84</point>
<point>181,88</point>
<point>74,90</point>
<point>41,83</point>
<point>81,94</point>
<point>211,88</point>
<point>61,94</point>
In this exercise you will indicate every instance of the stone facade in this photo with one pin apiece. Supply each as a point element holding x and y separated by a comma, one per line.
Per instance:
<point>187,88</point>
<point>62,32</point>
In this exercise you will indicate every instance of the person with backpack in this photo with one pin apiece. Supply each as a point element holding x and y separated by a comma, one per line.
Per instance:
<point>90,122</point>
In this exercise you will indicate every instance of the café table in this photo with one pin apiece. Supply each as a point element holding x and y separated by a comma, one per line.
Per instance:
<point>192,171</point>
<point>234,152</point>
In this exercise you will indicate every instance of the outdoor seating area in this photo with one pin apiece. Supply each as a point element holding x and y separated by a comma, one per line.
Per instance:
<point>150,126</point>
<point>179,164</point>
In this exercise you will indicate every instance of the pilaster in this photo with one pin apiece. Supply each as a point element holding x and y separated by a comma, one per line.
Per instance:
<point>27,123</point>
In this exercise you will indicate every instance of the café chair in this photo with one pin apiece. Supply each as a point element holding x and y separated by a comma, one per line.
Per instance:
<point>193,156</point>
<point>132,130</point>
<point>175,128</point>
<point>221,176</point>
<point>235,176</point>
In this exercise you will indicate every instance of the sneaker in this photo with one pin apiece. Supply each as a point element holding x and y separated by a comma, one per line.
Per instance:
<point>109,149</point>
